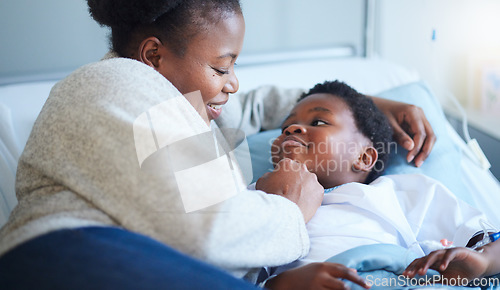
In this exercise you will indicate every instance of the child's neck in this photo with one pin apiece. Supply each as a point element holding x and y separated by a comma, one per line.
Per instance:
<point>360,178</point>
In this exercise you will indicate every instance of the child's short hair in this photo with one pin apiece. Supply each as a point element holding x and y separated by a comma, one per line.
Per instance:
<point>370,121</point>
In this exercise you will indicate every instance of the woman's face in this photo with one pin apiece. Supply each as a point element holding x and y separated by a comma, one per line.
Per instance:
<point>207,66</point>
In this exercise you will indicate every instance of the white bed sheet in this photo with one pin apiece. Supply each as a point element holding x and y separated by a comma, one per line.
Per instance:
<point>484,187</point>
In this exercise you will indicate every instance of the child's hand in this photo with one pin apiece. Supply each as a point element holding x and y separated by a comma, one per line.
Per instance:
<point>316,276</point>
<point>451,263</point>
<point>293,181</point>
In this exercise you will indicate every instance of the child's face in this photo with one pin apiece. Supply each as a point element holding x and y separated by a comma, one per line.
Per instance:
<point>321,133</point>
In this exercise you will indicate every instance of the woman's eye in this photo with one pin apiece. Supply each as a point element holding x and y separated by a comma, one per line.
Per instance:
<point>318,123</point>
<point>220,71</point>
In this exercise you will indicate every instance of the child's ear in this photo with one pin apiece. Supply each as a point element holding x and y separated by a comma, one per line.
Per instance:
<point>150,52</point>
<point>366,160</point>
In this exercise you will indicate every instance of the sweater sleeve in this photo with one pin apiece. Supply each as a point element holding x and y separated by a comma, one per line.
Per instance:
<point>261,109</point>
<point>260,229</point>
<point>87,144</point>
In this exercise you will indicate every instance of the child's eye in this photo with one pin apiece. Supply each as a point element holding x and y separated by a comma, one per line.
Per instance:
<point>318,123</point>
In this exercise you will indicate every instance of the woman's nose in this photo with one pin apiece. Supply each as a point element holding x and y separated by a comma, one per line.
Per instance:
<point>295,129</point>
<point>232,85</point>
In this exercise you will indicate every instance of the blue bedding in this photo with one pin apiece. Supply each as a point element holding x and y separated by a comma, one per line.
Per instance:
<point>382,264</point>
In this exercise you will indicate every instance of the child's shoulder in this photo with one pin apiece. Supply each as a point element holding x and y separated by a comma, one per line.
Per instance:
<point>407,180</point>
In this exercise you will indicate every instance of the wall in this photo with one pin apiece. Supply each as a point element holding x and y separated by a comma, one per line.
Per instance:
<point>467,32</point>
<point>49,35</point>
<point>279,25</point>
<point>58,35</point>
<point>41,37</point>
<point>467,36</point>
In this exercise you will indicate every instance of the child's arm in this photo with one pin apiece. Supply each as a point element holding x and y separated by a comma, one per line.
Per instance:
<point>316,276</point>
<point>459,261</point>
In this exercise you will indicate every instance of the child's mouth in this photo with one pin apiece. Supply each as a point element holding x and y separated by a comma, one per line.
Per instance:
<point>292,141</point>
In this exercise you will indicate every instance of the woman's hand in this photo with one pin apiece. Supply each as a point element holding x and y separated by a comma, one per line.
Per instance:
<point>411,128</point>
<point>293,181</point>
<point>451,263</point>
<point>316,276</point>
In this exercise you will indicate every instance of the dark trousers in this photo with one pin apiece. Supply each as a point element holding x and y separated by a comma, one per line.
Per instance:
<point>106,258</point>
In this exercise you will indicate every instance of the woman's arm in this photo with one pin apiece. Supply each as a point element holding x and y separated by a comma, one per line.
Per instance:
<point>411,128</point>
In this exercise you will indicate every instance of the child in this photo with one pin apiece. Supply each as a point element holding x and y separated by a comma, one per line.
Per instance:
<point>345,140</point>
<point>459,262</point>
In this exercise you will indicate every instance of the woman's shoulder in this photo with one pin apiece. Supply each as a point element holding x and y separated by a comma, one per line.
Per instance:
<point>111,70</point>
<point>115,76</point>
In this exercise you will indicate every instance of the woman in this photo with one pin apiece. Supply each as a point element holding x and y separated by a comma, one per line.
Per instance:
<point>93,180</point>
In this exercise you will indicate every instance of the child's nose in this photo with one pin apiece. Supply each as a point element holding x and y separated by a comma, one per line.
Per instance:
<point>295,129</point>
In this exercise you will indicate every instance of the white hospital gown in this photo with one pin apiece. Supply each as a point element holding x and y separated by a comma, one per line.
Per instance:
<point>394,209</point>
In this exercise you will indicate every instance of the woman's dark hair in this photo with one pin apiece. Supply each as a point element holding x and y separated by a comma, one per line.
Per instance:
<point>371,122</point>
<point>174,22</point>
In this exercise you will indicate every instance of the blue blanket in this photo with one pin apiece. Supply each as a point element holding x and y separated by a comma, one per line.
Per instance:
<point>382,264</point>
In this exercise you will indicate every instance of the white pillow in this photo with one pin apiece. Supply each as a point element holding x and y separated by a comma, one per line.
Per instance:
<point>9,154</point>
<point>367,75</point>
<point>20,105</point>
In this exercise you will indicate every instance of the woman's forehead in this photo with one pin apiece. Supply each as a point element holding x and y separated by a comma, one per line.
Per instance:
<point>223,38</point>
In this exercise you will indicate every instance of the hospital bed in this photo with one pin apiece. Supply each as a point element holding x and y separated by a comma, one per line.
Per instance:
<point>451,161</point>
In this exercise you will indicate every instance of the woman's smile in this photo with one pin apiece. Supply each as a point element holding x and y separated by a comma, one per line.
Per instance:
<point>215,109</point>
